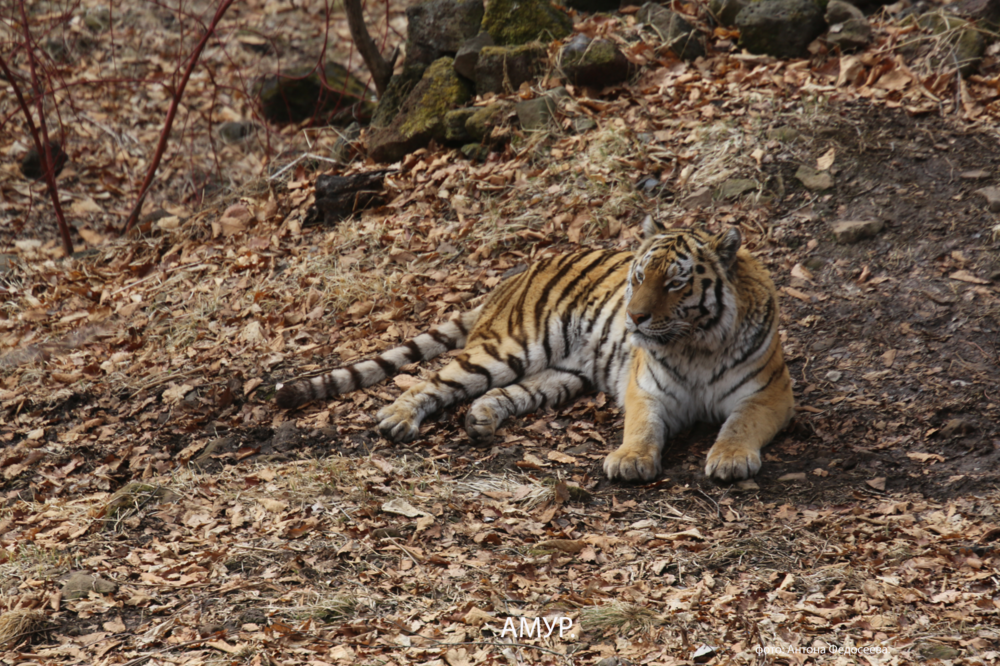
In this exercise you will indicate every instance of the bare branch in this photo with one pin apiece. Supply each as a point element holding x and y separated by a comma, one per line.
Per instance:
<point>380,68</point>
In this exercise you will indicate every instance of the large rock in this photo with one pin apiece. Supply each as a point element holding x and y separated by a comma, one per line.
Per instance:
<point>479,126</point>
<point>399,88</point>
<point>963,43</point>
<point>849,29</point>
<point>513,22</point>
<point>331,94</point>
<point>439,27</point>
<point>454,124</point>
<point>505,68</point>
<point>680,36</point>
<point>540,113</point>
<point>468,54</point>
<point>780,28</point>
<point>985,12</point>
<point>421,117</point>
<point>596,63</point>
<point>725,11</point>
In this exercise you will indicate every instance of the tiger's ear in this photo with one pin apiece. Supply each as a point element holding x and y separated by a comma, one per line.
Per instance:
<point>651,227</point>
<point>727,244</point>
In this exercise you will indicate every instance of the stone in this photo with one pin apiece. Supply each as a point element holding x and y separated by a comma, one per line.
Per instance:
<point>814,180</point>
<point>725,11</point>
<point>839,11</point>
<point>343,148</point>
<point>539,113</point>
<point>852,231</point>
<point>235,131</point>
<point>959,43</point>
<point>503,69</point>
<point>698,199</point>
<point>331,94</point>
<point>850,35</point>
<point>79,585</point>
<point>475,152</point>
<point>595,63</point>
<point>938,651</point>
<point>784,134</point>
<point>734,187</point>
<point>400,86</point>
<point>514,22</point>
<point>780,28</point>
<point>468,54</point>
<point>583,124</point>
<point>454,124</point>
<point>439,27</point>
<point>834,375</point>
<point>421,117</point>
<point>98,19</point>
<point>678,35</point>
<point>991,196</point>
<point>984,12</point>
<point>957,428</point>
<point>479,126</point>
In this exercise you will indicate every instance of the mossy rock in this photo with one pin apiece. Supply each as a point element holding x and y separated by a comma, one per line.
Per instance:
<point>596,63</point>
<point>965,44</point>
<point>505,68</point>
<point>479,126</point>
<point>422,116</point>
<point>454,124</point>
<point>680,36</point>
<point>513,22</point>
<point>400,86</point>
<point>331,95</point>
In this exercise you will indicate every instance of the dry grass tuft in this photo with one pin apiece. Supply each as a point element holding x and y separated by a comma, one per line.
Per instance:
<point>128,501</point>
<point>335,609</point>
<point>19,624</point>
<point>620,617</point>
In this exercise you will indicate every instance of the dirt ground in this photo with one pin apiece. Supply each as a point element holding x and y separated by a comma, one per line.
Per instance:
<point>273,538</point>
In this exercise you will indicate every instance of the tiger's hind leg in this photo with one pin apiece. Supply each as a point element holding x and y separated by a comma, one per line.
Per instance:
<point>471,374</point>
<point>550,387</point>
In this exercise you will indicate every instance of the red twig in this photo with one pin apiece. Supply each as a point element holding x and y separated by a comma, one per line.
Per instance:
<point>175,101</point>
<point>42,144</point>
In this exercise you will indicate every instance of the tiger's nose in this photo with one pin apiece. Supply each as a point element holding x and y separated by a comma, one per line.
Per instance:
<point>638,317</point>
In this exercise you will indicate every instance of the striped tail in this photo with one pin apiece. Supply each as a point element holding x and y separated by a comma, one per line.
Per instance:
<point>438,340</point>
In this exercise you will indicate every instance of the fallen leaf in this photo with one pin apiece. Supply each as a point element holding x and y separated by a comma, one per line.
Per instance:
<point>924,457</point>
<point>966,276</point>
<point>403,508</point>
<point>825,161</point>
<point>558,456</point>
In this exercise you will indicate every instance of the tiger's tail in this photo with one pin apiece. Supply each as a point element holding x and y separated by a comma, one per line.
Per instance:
<point>449,335</point>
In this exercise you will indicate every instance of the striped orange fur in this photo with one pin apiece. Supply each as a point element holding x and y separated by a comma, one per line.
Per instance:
<point>683,329</point>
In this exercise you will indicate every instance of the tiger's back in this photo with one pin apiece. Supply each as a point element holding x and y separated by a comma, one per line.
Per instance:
<point>683,329</point>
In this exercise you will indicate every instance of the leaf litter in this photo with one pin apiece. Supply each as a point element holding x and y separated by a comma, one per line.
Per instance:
<point>140,444</point>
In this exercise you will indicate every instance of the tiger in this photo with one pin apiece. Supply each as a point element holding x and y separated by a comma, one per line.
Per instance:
<point>684,329</point>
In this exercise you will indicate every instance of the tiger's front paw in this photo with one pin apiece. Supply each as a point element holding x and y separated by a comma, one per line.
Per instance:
<point>481,423</point>
<point>728,461</point>
<point>633,463</point>
<point>398,424</point>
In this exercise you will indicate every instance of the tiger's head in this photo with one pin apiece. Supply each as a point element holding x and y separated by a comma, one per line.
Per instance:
<point>680,286</point>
